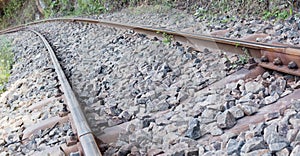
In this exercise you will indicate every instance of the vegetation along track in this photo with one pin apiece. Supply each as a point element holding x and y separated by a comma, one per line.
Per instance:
<point>133,78</point>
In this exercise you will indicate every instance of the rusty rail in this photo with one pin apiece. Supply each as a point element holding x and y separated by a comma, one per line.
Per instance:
<point>86,138</point>
<point>283,58</point>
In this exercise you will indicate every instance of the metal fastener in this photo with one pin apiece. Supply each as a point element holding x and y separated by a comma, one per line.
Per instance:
<point>264,58</point>
<point>277,61</point>
<point>292,65</point>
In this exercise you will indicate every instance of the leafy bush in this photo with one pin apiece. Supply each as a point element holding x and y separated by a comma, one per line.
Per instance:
<point>6,60</point>
<point>9,12</point>
<point>81,7</point>
<point>277,14</point>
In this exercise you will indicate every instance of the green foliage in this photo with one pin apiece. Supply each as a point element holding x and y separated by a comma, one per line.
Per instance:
<point>89,7</point>
<point>237,45</point>
<point>239,61</point>
<point>50,10</point>
<point>201,13</point>
<point>242,60</point>
<point>9,12</point>
<point>6,60</point>
<point>167,39</point>
<point>12,7</point>
<point>66,8</point>
<point>277,14</point>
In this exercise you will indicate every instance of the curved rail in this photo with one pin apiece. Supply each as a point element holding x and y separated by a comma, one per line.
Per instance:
<point>84,132</point>
<point>217,39</point>
<point>283,58</point>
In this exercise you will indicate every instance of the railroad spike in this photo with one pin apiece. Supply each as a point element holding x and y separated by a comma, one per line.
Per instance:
<point>292,65</point>
<point>264,58</point>
<point>277,61</point>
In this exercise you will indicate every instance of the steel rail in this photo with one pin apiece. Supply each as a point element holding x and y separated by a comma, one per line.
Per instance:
<point>274,57</point>
<point>217,39</point>
<point>86,138</point>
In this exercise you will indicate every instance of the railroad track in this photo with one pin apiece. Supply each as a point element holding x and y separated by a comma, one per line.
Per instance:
<point>281,58</point>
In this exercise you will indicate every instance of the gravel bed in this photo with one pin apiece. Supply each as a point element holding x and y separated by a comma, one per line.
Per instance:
<point>207,114</point>
<point>275,31</point>
<point>32,80</point>
<point>121,75</point>
<point>133,77</point>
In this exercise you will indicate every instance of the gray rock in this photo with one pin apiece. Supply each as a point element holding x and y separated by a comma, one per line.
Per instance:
<point>226,120</point>
<point>216,146</point>
<point>253,144</point>
<point>271,135</point>
<point>53,132</point>
<point>170,138</point>
<point>266,75</point>
<point>12,147</point>
<point>271,99</point>
<point>248,109</point>
<point>250,31</point>
<point>278,86</point>
<point>296,151</point>
<point>196,111</point>
<point>283,152</point>
<point>231,86</point>
<point>274,147</point>
<point>212,99</point>
<point>291,135</point>
<point>193,131</point>
<point>261,152</point>
<point>4,153</point>
<point>124,150</point>
<point>189,142</point>
<point>253,87</point>
<point>236,112</point>
<point>125,115</point>
<point>297,138</point>
<point>208,115</point>
<point>2,142</point>
<point>146,121</point>
<point>278,27</point>
<point>192,152</point>
<point>296,105</point>
<point>233,146</point>
<point>285,93</point>
<point>179,149</point>
<point>246,98</point>
<point>271,116</point>
<point>258,128</point>
<point>216,131</point>
<point>294,122</point>
<point>153,152</point>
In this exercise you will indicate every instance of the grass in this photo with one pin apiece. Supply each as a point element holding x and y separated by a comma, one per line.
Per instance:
<point>66,8</point>
<point>277,14</point>
<point>166,38</point>
<point>241,59</point>
<point>6,61</point>
<point>10,13</point>
<point>91,7</point>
